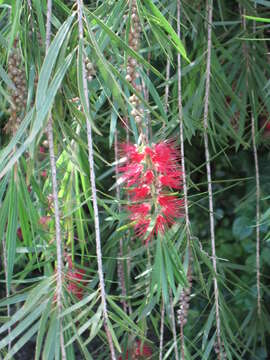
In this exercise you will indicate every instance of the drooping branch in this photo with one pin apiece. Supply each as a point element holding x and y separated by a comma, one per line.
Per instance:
<point>121,276</point>
<point>94,191</point>
<point>162,316</point>
<point>59,284</point>
<point>5,263</point>
<point>256,165</point>
<point>208,170</point>
<point>182,149</point>
<point>257,177</point>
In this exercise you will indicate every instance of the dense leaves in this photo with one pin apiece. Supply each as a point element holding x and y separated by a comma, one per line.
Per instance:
<point>153,275</point>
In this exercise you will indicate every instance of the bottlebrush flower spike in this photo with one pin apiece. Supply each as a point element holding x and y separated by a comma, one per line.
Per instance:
<point>74,276</point>
<point>149,172</point>
<point>138,352</point>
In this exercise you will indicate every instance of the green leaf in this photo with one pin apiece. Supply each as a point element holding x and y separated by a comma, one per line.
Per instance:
<point>255,18</point>
<point>161,20</point>
<point>11,236</point>
<point>124,46</point>
<point>23,340</point>
<point>49,62</point>
<point>23,325</point>
<point>242,228</point>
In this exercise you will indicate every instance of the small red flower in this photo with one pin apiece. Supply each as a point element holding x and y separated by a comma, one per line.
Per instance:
<point>42,150</point>
<point>74,277</point>
<point>132,173</point>
<point>19,233</point>
<point>141,227</point>
<point>143,350</point>
<point>148,177</point>
<point>171,207</point>
<point>132,153</point>
<point>139,210</point>
<point>160,224</point>
<point>138,352</point>
<point>139,193</point>
<point>172,179</point>
<point>165,158</point>
<point>44,220</point>
<point>44,173</point>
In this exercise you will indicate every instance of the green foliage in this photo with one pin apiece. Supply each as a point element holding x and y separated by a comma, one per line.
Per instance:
<point>153,275</point>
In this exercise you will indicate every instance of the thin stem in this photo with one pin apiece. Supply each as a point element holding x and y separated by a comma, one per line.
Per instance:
<point>7,289</point>
<point>173,326</point>
<point>59,283</point>
<point>182,154</point>
<point>94,192</point>
<point>181,127</point>
<point>257,176</point>
<point>121,253</point>
<point>255,155</point>
<point>208,169</point>
<point>161,330</point>
<point>256,163</point>
<point>163,307</point>
<point>168,69</point>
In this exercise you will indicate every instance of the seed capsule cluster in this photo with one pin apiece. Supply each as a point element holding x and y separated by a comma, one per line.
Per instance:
<point>90,70</point>
<point>19,93</point>
<point>184,301</point>
<point>132,64</point>
<point>220,351</point>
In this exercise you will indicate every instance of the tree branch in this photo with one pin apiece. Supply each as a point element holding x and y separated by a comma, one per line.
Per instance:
<point>59,284</point>
<point>94,192</point>
<point>208,169</point>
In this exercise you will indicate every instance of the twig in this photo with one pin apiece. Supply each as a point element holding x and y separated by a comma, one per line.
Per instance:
<point>94,192</point>
<point>182,149</point>
<point>59,284</point>
<point>168,69</point>
<point>173,326</point>
<point>181,126</point>
<point>120,262</point>
<point>7,289</point>
<point>208,169</point>
<point>256,162</point>
<point>161,330</point>
<point>257,177</point>
<point>255,154</point>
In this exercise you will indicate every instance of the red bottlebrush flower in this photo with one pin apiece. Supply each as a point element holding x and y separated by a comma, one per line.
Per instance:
<point>143,350</point>
<point>138,352</point>
<point>149,177</point>
<point>141,227</point>
<point>160,224</point>
<point>75,277</point>
<point>132,153</point>
<point>44,173</point>
<point>132,173</point>
<point>172,179</point>
<point>166,158</point>
<point>19,233</point>
<point>139,193</point>
<point>171,207</point>
<point>139,210</point>
<point>44,220</point>
<point>147,170</point>
<point>267,126</point>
